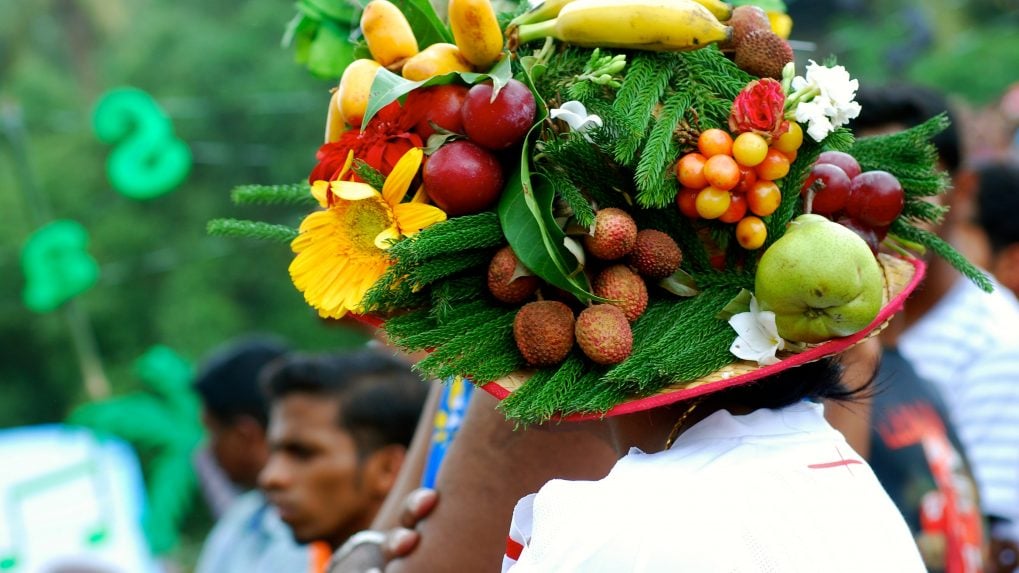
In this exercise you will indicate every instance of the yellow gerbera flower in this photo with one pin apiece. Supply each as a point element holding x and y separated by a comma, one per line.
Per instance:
<point>341,249</point>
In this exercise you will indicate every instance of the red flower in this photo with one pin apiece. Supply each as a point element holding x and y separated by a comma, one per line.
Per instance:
<point>380,144</point>
<point>760,108</point>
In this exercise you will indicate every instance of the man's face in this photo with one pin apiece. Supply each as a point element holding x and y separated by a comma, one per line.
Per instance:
<point>313,476</point>
<point>238,447</point>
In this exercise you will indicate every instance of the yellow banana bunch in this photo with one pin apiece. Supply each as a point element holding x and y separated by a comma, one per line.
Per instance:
<point>718,9</point>
<point>476,31</point>
<point>657,25</point>
<point>388,34</point>
<point>355,87</point>
<point>435,60</point>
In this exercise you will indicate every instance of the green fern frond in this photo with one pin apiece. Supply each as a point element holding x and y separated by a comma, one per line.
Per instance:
<point>656,188</point>
<point>569,194</point>
<point>451,236</point>
<point>944,250</point>
<point>369,174</point>
<point>251,230</point>
<point>292,194</point>
<point>642,89</point>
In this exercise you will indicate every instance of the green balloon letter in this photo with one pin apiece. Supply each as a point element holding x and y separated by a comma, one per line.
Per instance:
<point>147,160</point>
<point>57,265</point>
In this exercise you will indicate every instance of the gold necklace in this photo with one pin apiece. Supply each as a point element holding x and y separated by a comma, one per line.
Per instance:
<point>679,423</point>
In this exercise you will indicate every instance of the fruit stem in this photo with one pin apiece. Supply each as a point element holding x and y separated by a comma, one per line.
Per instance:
<point>530,32</point>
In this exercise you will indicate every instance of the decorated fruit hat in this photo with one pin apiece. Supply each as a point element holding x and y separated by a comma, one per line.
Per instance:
<point>584,226</point>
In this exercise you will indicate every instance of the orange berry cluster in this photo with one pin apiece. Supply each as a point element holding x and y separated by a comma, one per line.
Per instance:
<point>725,178</point>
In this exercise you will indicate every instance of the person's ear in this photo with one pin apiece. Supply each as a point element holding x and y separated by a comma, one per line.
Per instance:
<point>383,467</point>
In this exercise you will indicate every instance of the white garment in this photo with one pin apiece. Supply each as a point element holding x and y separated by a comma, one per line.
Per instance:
<point>968,345</point>
<point>771,491</point>
<point>250,538</point>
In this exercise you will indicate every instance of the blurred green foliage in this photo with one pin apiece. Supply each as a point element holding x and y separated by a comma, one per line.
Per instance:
<point>249,114</point>
<point>967,49</point>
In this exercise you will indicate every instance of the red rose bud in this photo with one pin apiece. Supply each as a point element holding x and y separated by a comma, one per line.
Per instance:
<point>759,108</point>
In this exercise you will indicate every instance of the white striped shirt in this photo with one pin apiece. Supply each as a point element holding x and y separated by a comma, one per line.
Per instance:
<point>968,345</point>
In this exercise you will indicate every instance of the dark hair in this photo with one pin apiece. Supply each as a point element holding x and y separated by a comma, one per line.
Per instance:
<point>228,379</point>
<point>380,396</point>
<point>819,380</point>
<point>909,105</point>
<point>998,203</point>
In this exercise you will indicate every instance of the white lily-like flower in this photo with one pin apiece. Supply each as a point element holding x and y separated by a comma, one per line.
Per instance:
<point>824,99</point>
<point>757,336</point>
<point>575,115</point>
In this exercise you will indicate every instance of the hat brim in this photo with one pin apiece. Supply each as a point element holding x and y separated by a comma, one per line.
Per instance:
<point>902,275</point>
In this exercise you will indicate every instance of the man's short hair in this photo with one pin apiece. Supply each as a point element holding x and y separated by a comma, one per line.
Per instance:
<point>998,203</point>
<point>380,396</point>
<point>910,105</point>
<point>228,380</point>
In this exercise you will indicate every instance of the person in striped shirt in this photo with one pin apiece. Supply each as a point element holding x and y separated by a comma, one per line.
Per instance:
<point>963,340</point>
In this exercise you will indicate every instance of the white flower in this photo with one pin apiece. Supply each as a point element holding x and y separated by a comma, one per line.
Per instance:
<point>824,99</point>
<point>575,115</point>
<point>757,336</point>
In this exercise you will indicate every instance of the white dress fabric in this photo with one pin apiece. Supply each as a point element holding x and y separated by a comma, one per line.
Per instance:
<point>771,491</point>
<point>968,346</point>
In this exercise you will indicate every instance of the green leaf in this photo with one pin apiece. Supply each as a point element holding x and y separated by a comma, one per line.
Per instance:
<point>330,51</point>
<point>339,10</point>
<point>426,24</point>
<point>739,304</point>
<point>525,213</point>
<point>388,87</point>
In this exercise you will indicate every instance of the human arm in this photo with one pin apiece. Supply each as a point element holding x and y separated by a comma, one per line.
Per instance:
<point>489,467</point>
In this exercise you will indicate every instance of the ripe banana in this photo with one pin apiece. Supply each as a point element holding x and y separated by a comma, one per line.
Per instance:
<point>718,8</point>
<point>656,25</point>
<point>476,31</point>
<point>334,122</point>
<point>435,60</point>
<point>355,87</point>
<point>781,24</point>
<point>388,34</point>
<point>545,11</point>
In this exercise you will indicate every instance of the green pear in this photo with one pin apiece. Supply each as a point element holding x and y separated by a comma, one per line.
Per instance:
<point>821,280</point>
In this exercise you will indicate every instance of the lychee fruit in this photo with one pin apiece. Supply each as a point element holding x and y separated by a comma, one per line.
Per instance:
<point>656,255</point>
<point>614,235</point>
<point>763,54</point>
<point>543,331</point>
<point>604,334</point>
<point>504,281</point>
<point>623,288</point>
<point>746,19</point>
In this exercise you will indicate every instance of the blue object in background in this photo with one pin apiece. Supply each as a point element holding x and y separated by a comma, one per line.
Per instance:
<point>456,394</point>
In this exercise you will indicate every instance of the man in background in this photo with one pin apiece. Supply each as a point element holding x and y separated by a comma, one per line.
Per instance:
<point>249,537</point>
<point>965,342</point>
<point>338,434</point>
<point>997,198</point>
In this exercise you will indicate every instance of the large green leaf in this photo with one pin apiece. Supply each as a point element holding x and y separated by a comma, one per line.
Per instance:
<point>330,52</point>
<point>525,213</point>
<point>388,87</point>
<point>339,10</point>
<point>428,27</point>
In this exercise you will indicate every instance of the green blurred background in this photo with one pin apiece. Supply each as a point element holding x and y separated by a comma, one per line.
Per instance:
<point>251,115</point>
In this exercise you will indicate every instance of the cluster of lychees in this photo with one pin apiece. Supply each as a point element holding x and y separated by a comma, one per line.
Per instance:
<point>865,201</point>
<point>725,178</point>
<point>545,331</point>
